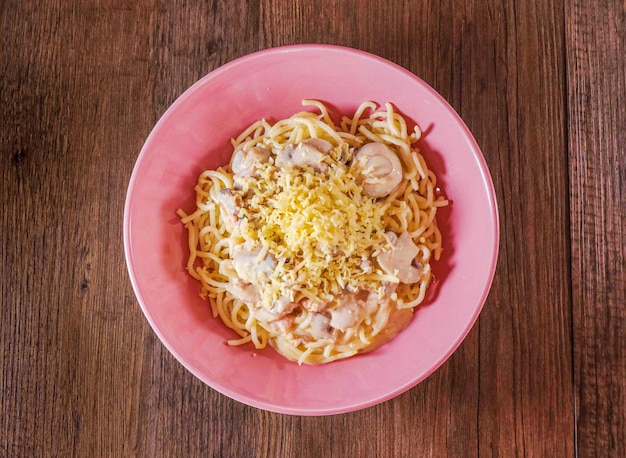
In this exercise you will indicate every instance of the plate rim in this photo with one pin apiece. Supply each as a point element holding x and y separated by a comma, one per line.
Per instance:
<point>485,176</point>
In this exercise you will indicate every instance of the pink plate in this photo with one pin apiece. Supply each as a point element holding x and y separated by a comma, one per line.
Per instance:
<point>194,134</point>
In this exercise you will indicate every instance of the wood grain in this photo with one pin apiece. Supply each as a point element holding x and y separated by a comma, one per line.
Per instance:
<point>596,52</point>
<point>525,397</point>
<point>542,87</point>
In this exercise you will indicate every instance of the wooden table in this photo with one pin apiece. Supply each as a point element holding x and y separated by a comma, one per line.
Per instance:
<point>542,85</point>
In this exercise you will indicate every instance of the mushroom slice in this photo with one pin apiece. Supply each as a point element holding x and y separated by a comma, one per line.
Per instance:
<point>310,152</point>
<point>323,146</point>
<point>352,307</point>
<point>245,292</point>
<point>279,314</point>
<point>230,201</point>
<point>244,162</point>
<point>380,169</point>
<point>399,261</point>
<point>320,326</point>
<point>283,305</point>
<point>346,315</point>
<point>250,267</point>
<point>282,325</point>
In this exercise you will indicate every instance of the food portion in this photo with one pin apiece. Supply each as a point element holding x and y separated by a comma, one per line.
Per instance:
<point>317,238</point>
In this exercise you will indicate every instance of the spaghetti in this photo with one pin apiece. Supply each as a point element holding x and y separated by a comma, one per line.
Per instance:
<point>317,238</point>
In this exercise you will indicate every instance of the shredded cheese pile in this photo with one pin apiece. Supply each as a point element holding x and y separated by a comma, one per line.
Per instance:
<point>319,226</point>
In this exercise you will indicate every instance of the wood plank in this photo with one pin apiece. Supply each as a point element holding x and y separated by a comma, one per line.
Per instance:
<point>596,53</point>
<point>513,101</point>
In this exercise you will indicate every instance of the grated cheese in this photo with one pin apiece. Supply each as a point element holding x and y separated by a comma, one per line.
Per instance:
<point>319,226</point>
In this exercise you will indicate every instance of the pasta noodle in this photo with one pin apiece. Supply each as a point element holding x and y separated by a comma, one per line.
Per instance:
<point>317,237</point>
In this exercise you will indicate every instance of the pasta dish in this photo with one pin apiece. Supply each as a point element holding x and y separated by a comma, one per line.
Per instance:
<point>317,238</point>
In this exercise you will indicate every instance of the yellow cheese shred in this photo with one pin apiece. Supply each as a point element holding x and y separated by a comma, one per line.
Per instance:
<point>321,224</point>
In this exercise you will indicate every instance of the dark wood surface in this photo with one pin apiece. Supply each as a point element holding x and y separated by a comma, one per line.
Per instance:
<point>542,85</point>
